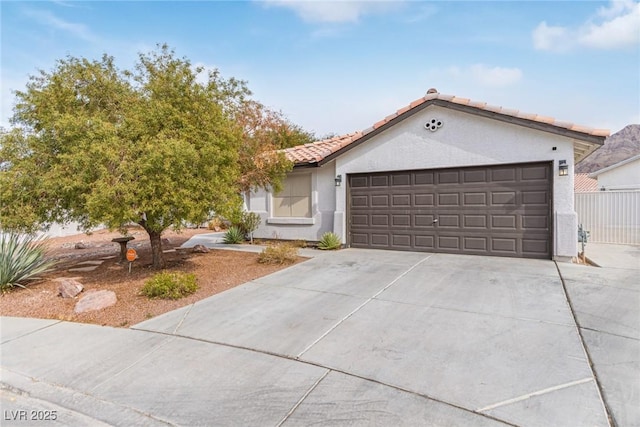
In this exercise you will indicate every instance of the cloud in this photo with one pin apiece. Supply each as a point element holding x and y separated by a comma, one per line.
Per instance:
<point>49,19</point>
<point>486,76</point>
<point>332,11</point>
<point>613,27</point>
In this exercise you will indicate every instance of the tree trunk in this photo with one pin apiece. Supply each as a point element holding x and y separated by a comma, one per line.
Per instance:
<point>156,249</point>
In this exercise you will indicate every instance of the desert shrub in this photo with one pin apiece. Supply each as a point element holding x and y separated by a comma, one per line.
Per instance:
<point>329,241</point>
<point>215,223</point>
<point>299,243</point>
<point>282,253</point>
<point>247,222</point>
<point>166,285</point>
<point>250,222</point>
<point>233,236</point>
<point>22,258</point>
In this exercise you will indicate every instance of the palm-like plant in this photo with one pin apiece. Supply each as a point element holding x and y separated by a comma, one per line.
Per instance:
<point>22,258</point>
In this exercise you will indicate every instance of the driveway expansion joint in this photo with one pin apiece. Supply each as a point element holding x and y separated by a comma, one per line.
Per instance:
<point>333,369</point>
<point>304,396</point>
<point>339,322</point>
<point>533,394</point>
<point>605,406</point>
<point>64,390</point>
<point>31,332</point>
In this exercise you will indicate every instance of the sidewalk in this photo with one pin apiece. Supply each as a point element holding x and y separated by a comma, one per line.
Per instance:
<point>215,241</point>
<point>613,256</point>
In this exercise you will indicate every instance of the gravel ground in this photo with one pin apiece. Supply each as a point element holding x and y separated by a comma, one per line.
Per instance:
<point>216,272</point>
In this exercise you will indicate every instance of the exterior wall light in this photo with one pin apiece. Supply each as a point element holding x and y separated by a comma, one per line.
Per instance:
<point>563,168</point>
<point>338,180</point>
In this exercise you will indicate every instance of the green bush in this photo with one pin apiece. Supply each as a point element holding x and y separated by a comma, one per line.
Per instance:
<point>233,236</point>
<point>250,222</point>
<point>329,241</point>
<point>22,258</point>
<point>166,285</point>
<point>278,254</point>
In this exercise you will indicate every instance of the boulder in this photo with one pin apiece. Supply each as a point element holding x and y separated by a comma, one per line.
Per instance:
<point>200,249</point>
<point>95,300</point>
<point>81,245</point>
<point>68,287</point>
<point>165,241</point>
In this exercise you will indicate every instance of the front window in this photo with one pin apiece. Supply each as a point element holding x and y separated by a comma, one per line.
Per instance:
<point>295,198</point>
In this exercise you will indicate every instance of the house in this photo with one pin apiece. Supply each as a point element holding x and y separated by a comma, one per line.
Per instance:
<point>443,174</point>
<point>582,183</point>
<point>624,175</point>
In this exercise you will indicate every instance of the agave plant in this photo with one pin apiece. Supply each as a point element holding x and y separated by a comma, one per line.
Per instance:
<point>22,258</point>
<point>329,241</point>
<point>233,235</point>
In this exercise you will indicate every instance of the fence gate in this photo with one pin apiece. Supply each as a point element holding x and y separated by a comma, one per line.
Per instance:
<point>610,216</point>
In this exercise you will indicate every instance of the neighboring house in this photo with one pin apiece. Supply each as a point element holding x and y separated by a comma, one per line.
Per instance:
<point>443,174</point>
<point>583,184</point>
<point>624,175</point>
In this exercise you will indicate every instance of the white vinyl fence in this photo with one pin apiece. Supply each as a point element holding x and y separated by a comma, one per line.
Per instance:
<point>610,216</point>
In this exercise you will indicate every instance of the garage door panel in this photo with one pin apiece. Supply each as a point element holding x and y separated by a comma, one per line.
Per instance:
<point>476,244</point>
<point>359,239</point>
<point>475,221</point>
<point>504,245</point>
<point>535,246</point>
<point>501,174</point>
<point>503,198</point>
<point>380,200</point>
<point>475,199</point>
<point>398,180</point>
<point>474,175</point>
<point>448,199</point>
<point>503,222</point>
<point>380,181</point>
<point>448,177</point>
<point>422,220</point>
<point>401,220</point>
<point>535,222</point>
<point>380,220</point>
<point>424,199</point>
<point>402,241</point>
<point>379,239</point>
<point>424,242</point>
<point>535,198</point>
<point>423,178</point>
<point>492,210</point>
<point>360,201</point>
<point>400,200</point>
<point>535,173</point>
<point>449,243</point>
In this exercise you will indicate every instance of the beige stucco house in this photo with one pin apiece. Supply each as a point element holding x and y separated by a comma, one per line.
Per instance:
<point>443,174</point>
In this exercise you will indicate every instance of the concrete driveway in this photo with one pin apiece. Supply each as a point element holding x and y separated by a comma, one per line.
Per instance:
<point>354,337</point>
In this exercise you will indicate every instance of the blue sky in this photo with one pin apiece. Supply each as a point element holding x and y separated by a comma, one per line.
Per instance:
<point>338,66</point>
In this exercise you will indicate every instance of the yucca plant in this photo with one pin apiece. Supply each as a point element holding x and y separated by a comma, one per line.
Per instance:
<point>22,258</point>
<point>233,235</point>
<point>329,241</point>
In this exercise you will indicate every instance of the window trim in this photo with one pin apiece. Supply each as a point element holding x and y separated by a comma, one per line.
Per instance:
<point>293,220</point>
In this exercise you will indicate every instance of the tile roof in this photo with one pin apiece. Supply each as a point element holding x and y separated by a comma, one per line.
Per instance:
<point>583,184</point>
<point>318,151</point>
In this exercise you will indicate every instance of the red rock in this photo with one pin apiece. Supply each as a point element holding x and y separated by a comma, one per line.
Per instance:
<point>95,300</point>
<point>69,288</point>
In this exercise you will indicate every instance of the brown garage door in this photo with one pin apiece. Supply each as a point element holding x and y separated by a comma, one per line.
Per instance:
<point>491,210</point>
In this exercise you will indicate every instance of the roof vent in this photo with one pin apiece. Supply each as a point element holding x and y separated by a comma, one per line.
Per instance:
<point>432,90</point>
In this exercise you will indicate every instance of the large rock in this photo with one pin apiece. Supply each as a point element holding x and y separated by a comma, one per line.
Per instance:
<point>68,287</point>
<point>200,249</point>
<point>95,300</point>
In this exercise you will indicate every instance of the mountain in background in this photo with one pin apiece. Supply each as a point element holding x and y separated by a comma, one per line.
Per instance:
<point>618,147</point>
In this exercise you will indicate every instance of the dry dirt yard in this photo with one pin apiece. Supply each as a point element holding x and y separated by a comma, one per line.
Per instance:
<point>215,271</point>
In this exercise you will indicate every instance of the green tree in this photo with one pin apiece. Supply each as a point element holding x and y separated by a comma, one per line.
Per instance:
<point>154,145</point>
